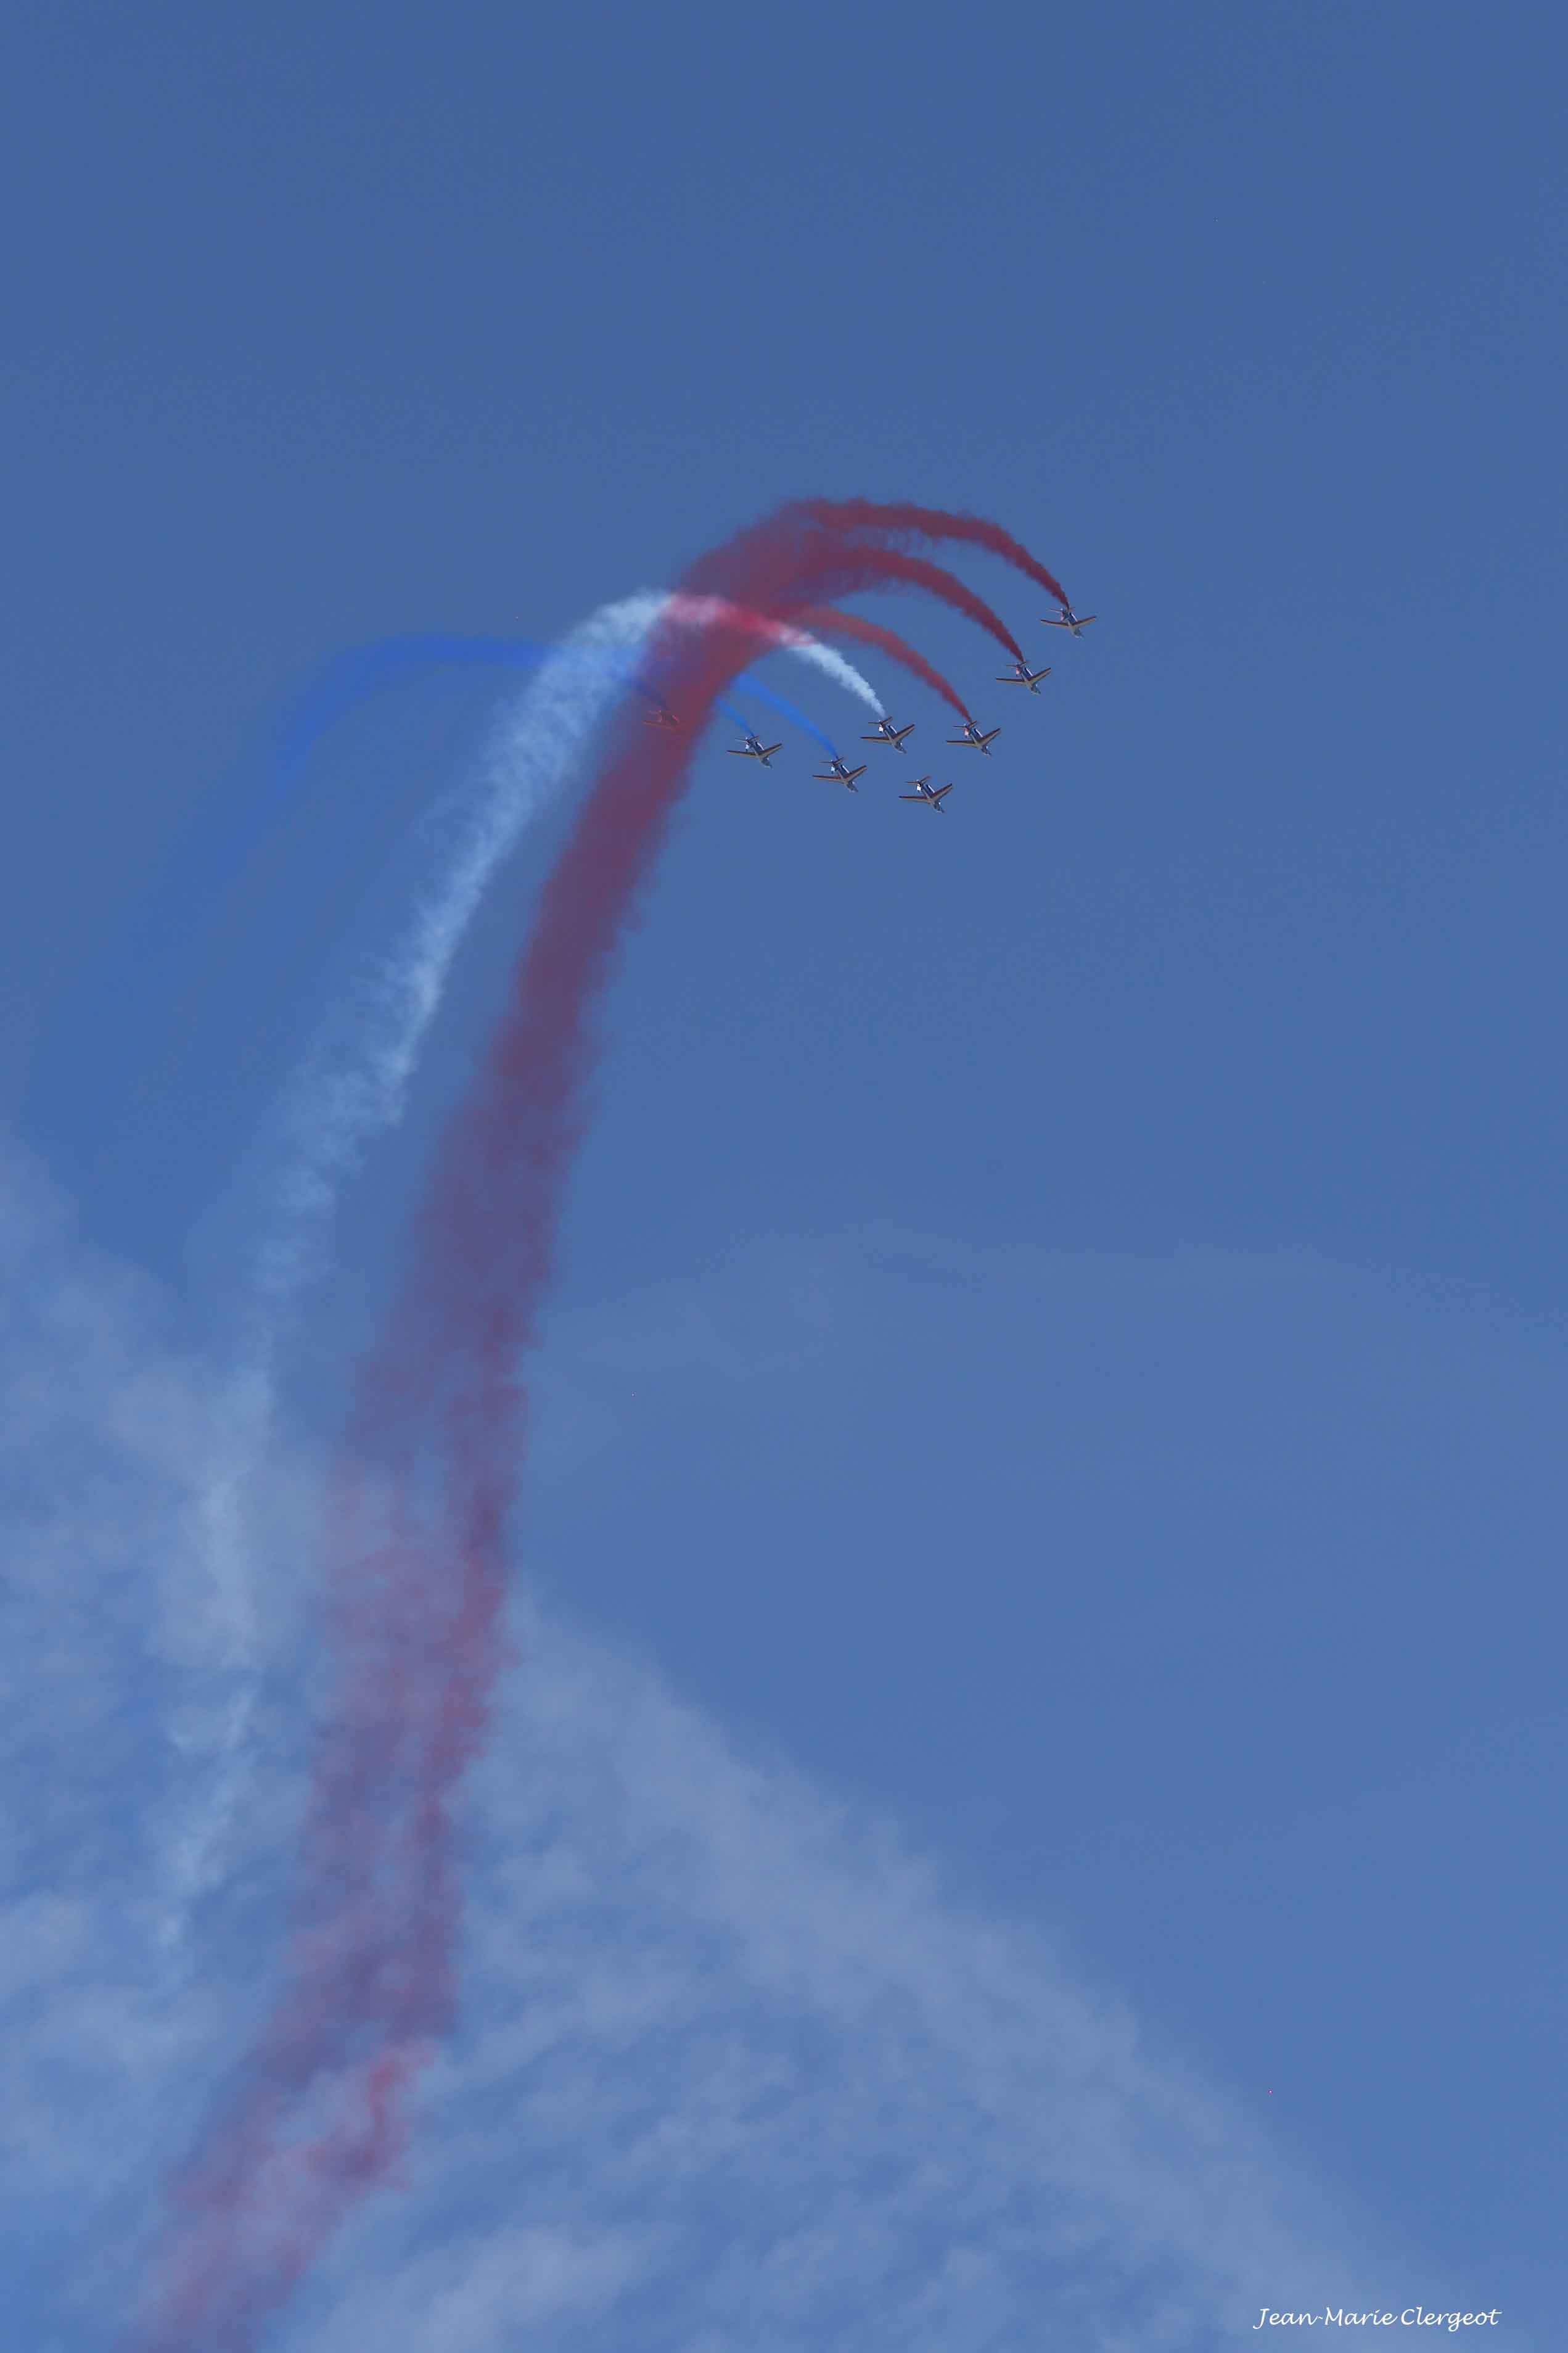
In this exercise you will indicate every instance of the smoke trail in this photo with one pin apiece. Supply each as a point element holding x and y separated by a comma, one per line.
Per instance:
<point>363,670</point>
<point>842,564</point>
<point>785,710</point>
<point>704,612</point>
<point>351,676</point>
<point>195,874</point>
<point>825,620</point>
<point>931,523</point>
<point>417,1558</point>
<point>888,568</point>
<point>352,1088</point>
<point>354,1085</point>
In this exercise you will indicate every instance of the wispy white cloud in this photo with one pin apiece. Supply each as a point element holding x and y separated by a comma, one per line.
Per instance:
<point>733,2065</point>
<point>105,1436</point>
<point>706,2002</point>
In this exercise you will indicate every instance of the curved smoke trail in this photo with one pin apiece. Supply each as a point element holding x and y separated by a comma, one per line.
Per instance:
<point>351,1088</point>
<point>891,568</point>
<point>828,621</point>
<point>417,1568</point>
<point>786,711</point>
<point>359,671</point>
<point>899,521</point>
<point>702,612</point>
<point>362,671</point>
<point>825,540</point>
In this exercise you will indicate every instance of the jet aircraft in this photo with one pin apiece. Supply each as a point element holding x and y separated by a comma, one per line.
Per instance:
<point>663,717</point>
<point>837,773</point>
<point>928,795</point>
<point>1069,619</point>
<point>754,749</point>
<point>1022,675</point>
<point>974,739</point>
<point>884,732</point>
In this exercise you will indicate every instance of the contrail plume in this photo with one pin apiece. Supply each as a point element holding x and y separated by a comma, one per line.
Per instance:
<point>831,563</point>
<point>350,677</point>
<point>361,671</point>
<point>753,686</point>
<point>891,568</point>
<point>828,621</point>
<point>707,612</point>
<point>352,1088</point>
<point>933,523</point>
<point>417,1526</point>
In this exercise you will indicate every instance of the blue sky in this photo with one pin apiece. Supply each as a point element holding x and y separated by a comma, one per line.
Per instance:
<point>1060,1347</point>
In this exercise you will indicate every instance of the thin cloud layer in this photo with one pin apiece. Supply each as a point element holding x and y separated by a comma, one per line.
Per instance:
<point>733,2037</point>
<point>731,2062</point>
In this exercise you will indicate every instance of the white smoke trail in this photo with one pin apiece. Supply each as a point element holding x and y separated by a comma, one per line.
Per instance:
<point>352,1088</point>
<point>706,611</point>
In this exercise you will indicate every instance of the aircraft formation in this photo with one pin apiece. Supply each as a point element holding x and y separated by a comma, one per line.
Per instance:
<point>971,736</point>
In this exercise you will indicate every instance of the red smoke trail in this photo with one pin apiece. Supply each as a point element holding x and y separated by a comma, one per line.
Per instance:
<point>842,569</point>
<point>827,622</point>
<point>858,568</point>
<point>825,535</point>
<point>931,523</point>
<point>417,1526</point>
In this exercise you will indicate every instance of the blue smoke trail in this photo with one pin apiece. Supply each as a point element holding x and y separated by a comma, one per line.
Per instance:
<point>363,670</point>
<point>350,677</point>
<point>198,875</point>
<point>788,711</point>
